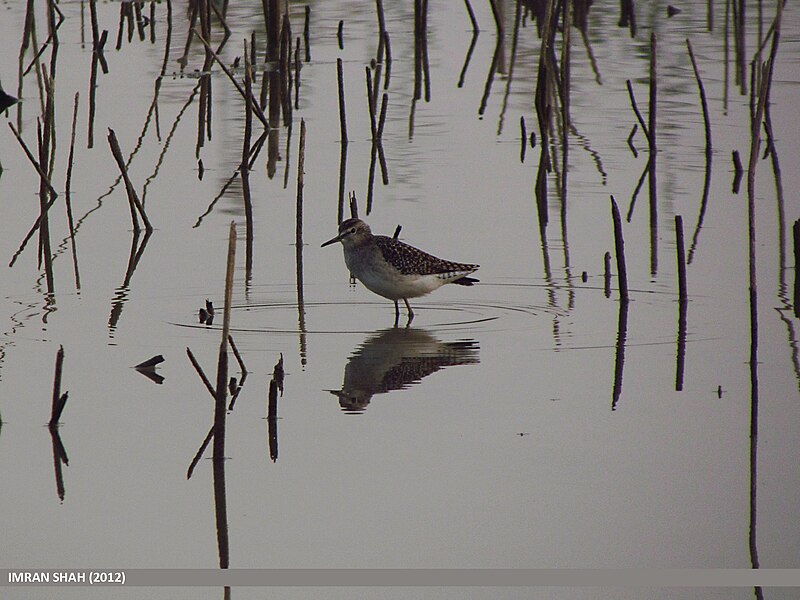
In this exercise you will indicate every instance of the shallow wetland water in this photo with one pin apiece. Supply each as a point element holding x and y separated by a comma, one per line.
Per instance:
<point>533,420</point>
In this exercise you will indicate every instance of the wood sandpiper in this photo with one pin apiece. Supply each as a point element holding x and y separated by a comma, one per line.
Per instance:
<point>393,269</point>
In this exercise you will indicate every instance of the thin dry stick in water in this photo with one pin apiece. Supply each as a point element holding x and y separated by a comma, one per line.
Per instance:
<point>133,198</point>
<point>237,355</point>
<point>201,373</point>
<point>306,41</point>
<point>636,110</point>
<point>755,144</point>
<point>301,319</point>
<point>67,194</point>
<point>473,20</point>
<point>381,29</point>
<point>387,48</point>
<point>382,118</point>
<point>651,174</point>
<point>44,159</point>
<point>33,160</point>
<point>371,105</point>
<point>619,244</point>
<point>300,174</point>
<point>703,102</point>
<point>342,116</point>
<point>222,361</point>
<point>681,252</point>
<point>251,99</point>
<point>682,303</point>
<point>57,405</point>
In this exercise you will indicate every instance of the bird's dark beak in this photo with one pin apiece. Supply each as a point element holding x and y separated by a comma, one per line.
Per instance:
<point>332,241</point>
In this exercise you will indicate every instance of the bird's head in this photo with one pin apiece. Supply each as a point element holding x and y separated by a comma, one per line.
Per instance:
<point>351,233</point>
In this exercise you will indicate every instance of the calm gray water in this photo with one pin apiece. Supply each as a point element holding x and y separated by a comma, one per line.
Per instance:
<point>527,421</point>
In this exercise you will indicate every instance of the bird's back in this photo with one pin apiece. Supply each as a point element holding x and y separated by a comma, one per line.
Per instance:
<point>412,261</point>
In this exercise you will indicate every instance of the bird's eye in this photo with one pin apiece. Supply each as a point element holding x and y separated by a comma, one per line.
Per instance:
<point>352,230</point>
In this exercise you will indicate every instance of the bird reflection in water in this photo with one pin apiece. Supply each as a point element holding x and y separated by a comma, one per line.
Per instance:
<point>393,359</point>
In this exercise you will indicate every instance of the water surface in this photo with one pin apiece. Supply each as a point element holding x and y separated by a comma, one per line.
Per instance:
<point>528,421</point>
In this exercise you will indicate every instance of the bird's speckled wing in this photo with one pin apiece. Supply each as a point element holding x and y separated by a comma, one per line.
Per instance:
<point>409,260</point>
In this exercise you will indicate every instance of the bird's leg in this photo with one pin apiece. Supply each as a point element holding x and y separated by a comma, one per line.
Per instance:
<point>410,312</point>
<point>396,313</point>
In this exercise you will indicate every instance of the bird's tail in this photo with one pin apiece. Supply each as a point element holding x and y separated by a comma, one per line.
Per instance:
<point>465,281</point>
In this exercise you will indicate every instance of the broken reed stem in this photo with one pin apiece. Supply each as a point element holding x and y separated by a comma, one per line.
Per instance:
<point>382,118</point>
<point>703,101</point>
<point>133,198</point>
<point>423,46</point>
<point>682,304</point>
<point>222,361</point>
<point>95,28</point>
<point>607,274</point>
<point>776,36</point>
<point>284,61</point>
<point>226,315</point>
<point>301,161</point>
<point>681,255</point>
<point>339,36</point>
<point>123,8</point>
<point>566,41</point>
<point>153,22</point>
<point>192,22</point>
<point>36,59</point>
<point>651,173</point>
<point>619,245</point>
<point>67,194</point>
<point>755,144</point>
<point>44,159</point>
<point>50,116</point>
<point>278,373</point>
<point>249,99</point>
<point>57,407</point>
<point>342,182</point>
<point>248,110</point>
<point>33,161</point>
<point>201,373</point>
<point>636,111</point>
<point>272,403</point>
<point>306,41</point>
<point>99,53</point>
<point>740,44</point>
<point>237,355</point>
<point>272,419</point>
<point>342,115</point>
<point>387,50</point>
<point>381,28</point>
<point>376,80</point>
<point>497,18</point>
<point>371,104</point>
<point>199,453</point>
<point>472,18</point>
<point>634,151</point>
<point>297,74</point>
<point>222,22</point>
<point>34,228</point>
